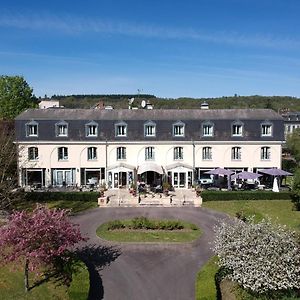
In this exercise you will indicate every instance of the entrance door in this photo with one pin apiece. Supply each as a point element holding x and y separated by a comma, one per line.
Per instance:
<point>122,179</point>
<point>182,180</point>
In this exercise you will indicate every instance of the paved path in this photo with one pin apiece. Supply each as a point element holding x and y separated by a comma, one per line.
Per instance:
<point>146,272</point>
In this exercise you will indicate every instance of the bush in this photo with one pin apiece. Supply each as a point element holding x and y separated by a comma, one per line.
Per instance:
<point>262,258</point>
<point>296,190</point>
<point>116,224</point>
<point>54,196</point>
<point>244,195</point>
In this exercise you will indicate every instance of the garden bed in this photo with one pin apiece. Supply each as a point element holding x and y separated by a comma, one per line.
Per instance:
<point>143,230</point>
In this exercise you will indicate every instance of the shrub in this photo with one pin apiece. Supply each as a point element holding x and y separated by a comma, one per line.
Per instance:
<point>72,196</point>
<point>244,195</point>
<point>116,224</point>
<point>262,258</point>
<point>296,190</point>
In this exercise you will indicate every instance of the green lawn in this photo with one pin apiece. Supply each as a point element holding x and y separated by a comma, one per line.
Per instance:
<point>12,287</point>
<point>75,206</point>
<point>205,283</point>
<point>281,211</point>
<point>190,233</point>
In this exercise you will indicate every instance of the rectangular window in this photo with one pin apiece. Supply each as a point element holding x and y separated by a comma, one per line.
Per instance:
<point>150,130</point>
<point>63,153</point>
<point>237,130</point>
<point>208,130</point>
<point>32,130</point>
<point>265,153</point>
<point>149,153</point>
<point>92,153</point>
<point>33,153</point>
<point>121,130</point>
<point>121,153</point>
<point>266,130</point>
<point>236,153</point>
<point>178,130</point>
<point>62,130</point>
<point>178,153</point>
<point>206,153</point>
<point>92,130</point>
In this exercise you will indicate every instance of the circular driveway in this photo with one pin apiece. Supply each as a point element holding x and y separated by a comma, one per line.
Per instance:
<point>145,271</point>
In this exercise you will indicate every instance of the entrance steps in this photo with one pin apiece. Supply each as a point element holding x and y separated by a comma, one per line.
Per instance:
<point>122,198</point>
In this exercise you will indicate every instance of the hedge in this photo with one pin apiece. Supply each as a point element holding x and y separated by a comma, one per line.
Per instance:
<point>244,195</point>
<point>72,196</point>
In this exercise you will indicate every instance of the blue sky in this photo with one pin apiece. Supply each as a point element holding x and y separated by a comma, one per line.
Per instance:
<point>196,48</point>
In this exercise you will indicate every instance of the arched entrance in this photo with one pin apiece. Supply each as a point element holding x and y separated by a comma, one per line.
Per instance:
<point>150,173</point>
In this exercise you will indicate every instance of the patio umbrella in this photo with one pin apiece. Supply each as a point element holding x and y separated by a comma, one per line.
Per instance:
<point>221,171</point>
<point>245,175</point>
<point>275,172</point>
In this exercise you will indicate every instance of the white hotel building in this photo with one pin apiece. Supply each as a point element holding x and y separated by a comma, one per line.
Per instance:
<point>60,147</point>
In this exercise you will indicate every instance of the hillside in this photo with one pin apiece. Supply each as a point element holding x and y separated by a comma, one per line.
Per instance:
<point>121,101</point>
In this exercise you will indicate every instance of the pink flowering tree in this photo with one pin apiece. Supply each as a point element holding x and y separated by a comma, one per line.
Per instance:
<point>38,239</point>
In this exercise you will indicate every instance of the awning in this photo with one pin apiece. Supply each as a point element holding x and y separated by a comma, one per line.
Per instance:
<point>121,167</point>
<point>150,167</point>
<point>178,165</point>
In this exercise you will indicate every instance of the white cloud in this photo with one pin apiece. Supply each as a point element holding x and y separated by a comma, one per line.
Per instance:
<point>74,25</point>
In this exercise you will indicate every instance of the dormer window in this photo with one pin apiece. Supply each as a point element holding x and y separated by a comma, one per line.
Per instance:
<point>207,129</point>
<point>237,129</point>
<point>266,129</point>
<point>61,129</point>
<point>150,129</point>
<point>32,129</point>
<point>91,129</point>
<point>178,129</point>
<point>121,129</point>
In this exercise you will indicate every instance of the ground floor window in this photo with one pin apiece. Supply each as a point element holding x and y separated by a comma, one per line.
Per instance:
<point>92,176</point>
<point>120,179</point>
<point>33,177</point>
<point>63,177</point>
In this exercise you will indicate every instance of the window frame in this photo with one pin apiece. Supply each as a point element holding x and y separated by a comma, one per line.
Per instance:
<point>28,126</point>
<point>181,125</point>
<point>35,153</point>
<point>178,153</point>
<point>117,125</point>
<point>57,129</point>
<point>208,123</point>
<point>149,153</point>
<point>148,124</point>
<point>265,153</point>
<point>271,129</point>
<point>65,153</point>
<point>121,153</point>
<point>207,155</point>
<point>236,150</point>
<point>92,153</point>
<point>87,129</point>
<point>241,125</point>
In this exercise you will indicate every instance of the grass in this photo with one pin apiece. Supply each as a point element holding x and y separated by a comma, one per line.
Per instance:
<point>280,211</point>
<point>75,206</point>
<point>188,234</point>
<point>205,282</point>
<point>12,286</point>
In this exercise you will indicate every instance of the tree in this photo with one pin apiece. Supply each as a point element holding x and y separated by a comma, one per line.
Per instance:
<point>39,239</point>
<point>293,144</point>
<point>296,190</point>
<point>8,167</point>
<point>15,96</point>
<point>263,258</point>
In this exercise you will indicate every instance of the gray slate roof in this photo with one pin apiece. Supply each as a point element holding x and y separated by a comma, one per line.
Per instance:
<point>142,114</point>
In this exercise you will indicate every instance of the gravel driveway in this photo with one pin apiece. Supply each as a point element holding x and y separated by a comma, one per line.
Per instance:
<point>149,271</point>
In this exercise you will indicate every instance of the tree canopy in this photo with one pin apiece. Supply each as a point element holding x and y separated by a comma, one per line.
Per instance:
<point>15,96</point>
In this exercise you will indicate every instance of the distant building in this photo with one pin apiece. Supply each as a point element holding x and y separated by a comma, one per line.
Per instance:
<point>60,147</point>
<point>47,103</point>
<point>291,122</point>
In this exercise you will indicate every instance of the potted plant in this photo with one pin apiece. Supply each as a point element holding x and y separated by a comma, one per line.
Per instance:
<point>166,187</point>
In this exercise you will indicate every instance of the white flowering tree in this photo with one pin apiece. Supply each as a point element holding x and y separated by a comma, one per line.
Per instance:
<point>262,258</point>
